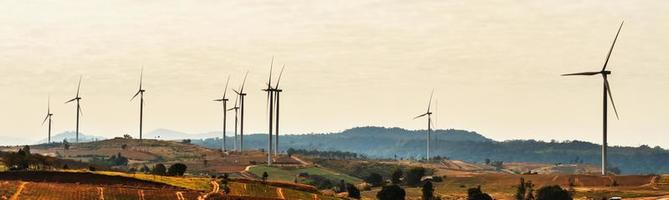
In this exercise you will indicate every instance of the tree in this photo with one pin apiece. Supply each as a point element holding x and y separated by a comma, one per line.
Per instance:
<point>353,192</point>
<point>477,194</point>
<point>159,169</point>
<point>396,177</point>
<point>391,192</point>
<point>553,192</point>
<point>374,179</point>
<point>414,175</point>
<point>264,176</point>
<point>428,191</point>
<point>487,161</point>
<point>177,169</point>
<point>520,192</point>
<point>66,145</point>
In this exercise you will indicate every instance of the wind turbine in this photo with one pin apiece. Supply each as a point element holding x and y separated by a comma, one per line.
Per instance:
<point>236,109</point>
<point>607,94</point>
<point>429,123</point>
<point>140,92</point>
<point>270,103</point>
<point>277,91</point>
<point>241,96</point>
<point>77,99</point>
<point>48,117</point>
<point>224,100</point>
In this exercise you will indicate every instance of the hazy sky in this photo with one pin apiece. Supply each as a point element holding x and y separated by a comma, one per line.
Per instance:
<point>494,65</point>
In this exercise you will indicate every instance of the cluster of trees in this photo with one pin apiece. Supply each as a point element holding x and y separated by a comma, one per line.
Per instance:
<point>24,160</point>
<point>176,169</point>
<point>114,160</point>
<point>342,155</point>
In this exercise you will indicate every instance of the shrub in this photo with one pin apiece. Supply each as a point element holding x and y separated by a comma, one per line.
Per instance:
<point>477,194</point>
<point>428,191</point>
<point>159,169</point>
<point>396,177</point>
<point>391,192</point>
<point>414,175</point>
<point>374,179</point>
<point>353,192</point>
<point>553,192</point>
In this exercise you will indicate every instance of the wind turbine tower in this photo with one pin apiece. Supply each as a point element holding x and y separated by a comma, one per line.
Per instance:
<point>429,125</point>
<point>77,98</point>
<point>224,101</point>
<point>140,92</point>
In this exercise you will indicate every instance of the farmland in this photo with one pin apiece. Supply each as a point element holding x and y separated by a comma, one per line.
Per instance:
<point>289,174</point>
<point>79,185</point>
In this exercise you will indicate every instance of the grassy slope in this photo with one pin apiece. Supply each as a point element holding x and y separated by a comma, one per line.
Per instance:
<point>193,183</point>
<point>289,174</point>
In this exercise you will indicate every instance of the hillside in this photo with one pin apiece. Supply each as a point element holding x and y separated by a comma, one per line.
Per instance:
<point>377,142</point>
<point>200,160</point>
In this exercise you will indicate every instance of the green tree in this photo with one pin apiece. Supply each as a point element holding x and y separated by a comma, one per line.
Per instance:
<point>477,194</point>
<point>414,175</point>
<point>374,179</point>
<point>553,192</point>
<point>264,176</point>
<point>177,169</point>
<point>353,192</point>
<point>391,192</point>
<point>428,191</point>
<point>159,169</point>
<point>396,177</point>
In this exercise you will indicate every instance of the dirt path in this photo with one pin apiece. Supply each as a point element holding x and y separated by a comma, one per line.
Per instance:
<point>140,194</point>
<point>279,192</point>
<point>18,191</point>
<point>102,194</point>
<point>215,187</point>
<point>300,160</point>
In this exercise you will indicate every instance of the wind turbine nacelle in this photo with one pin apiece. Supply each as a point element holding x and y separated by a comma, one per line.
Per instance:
<point>606,72</point>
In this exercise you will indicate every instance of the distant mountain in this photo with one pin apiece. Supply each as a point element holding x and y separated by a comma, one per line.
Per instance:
<point>378,142</point>
<point>166,134</point>
<point>71,136</point>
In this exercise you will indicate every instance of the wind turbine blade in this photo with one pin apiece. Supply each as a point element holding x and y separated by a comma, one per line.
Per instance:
<point>48,105</point>
<point>582,74</point>
<point>279,79</point>
<point>79,86</point>
<point>612,45</point>
<point>133,97</point>
<point>141,76</point>
<point>45,118</point>
<point>608,89</point>
<point>271,65</point>
<point>71,100</point>
<point>419,116</point>
<point>81,112</point>
<point>241,90</point>
<point>430,102</point>
<point>225,92</point>
<point>218,99</point>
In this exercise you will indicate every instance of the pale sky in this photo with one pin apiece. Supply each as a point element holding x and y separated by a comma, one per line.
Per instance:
<point>494,65</point>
